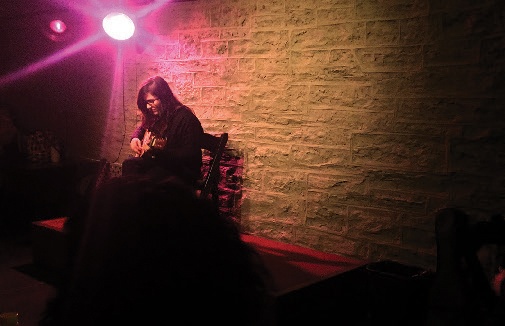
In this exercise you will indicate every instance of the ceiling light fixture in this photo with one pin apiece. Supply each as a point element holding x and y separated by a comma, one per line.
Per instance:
<point>118,26</point>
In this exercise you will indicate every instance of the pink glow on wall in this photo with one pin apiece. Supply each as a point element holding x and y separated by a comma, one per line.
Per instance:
<point>116,103</point>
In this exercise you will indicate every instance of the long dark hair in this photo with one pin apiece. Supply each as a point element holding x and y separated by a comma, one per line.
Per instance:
<point>159,87</point>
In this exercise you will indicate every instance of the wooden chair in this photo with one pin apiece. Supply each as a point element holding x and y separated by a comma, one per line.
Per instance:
<point>209,185</point>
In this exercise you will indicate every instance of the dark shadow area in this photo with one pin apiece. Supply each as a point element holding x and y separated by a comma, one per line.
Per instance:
<point>39,273</point>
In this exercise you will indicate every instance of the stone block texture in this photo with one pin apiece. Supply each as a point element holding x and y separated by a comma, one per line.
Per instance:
<point>351,122</point>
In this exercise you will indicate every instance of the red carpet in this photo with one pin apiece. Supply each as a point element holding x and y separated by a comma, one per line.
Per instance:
<point>294,267</point>
<point>55,223</point>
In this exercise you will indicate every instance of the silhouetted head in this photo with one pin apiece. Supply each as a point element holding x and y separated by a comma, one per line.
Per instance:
<point>153,254</point>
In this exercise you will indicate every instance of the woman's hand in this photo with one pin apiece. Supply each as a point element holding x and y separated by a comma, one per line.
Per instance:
<point>136,146</point>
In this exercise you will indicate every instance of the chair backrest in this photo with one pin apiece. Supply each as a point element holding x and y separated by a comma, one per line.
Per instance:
<point>215,144</point>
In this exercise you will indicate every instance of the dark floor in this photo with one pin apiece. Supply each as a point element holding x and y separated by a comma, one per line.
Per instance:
<point>21,290</point>
<point>357,297</point>
<point>26,289</point>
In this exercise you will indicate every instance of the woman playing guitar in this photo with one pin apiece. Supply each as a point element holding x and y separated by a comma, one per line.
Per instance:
<point>167,141</point>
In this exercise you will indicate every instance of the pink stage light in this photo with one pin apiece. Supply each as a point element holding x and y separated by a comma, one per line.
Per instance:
<point>118,26</point>
<point>121,27</point>
<point>58,26</point>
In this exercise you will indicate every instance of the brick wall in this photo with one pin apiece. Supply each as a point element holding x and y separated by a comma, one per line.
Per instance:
<point>351,122</point>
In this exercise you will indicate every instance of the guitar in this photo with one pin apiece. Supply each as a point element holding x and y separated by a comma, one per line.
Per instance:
<point>149,141</point>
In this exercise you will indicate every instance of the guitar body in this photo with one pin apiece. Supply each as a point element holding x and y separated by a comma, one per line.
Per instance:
<point>150,140</point>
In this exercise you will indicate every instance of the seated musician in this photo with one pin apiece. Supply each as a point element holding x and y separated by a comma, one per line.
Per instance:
<point>167,142</point>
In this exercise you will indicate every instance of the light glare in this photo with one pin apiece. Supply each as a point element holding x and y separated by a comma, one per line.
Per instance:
<point>57,26</point>
<point>118,26</point>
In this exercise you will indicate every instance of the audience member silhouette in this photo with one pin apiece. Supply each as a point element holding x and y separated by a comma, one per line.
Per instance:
<point>462,294</point>
<point>152,253</point>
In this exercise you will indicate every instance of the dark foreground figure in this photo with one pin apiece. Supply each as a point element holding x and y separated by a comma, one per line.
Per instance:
<point>151,253</point>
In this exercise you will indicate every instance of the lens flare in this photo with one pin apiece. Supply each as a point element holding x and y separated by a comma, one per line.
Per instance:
<point>118,26</point>
<point>58,26</point>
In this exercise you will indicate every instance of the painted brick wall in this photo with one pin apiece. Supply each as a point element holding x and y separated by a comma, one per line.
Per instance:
<point>351,122</point>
